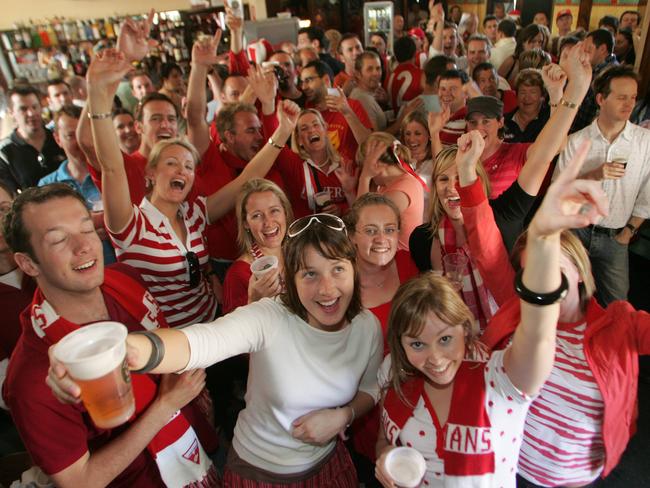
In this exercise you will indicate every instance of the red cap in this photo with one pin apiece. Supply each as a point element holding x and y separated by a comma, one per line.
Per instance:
<point>417,32</point>
<point>259,51</point>
<point>563,12</point>
<point>515,13</point>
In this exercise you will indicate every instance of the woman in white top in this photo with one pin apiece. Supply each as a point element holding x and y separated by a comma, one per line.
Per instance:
<point>314,354</point>
<point>465,415</point>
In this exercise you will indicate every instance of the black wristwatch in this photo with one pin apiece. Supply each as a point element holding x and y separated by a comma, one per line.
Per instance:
<point>633,229</point>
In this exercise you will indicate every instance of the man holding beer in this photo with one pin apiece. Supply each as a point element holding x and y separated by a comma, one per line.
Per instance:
<point>54,241</point>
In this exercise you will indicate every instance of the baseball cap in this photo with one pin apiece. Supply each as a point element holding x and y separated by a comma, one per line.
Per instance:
<point>491,107</point>
<point>417,32</point>
<point>563,12</point>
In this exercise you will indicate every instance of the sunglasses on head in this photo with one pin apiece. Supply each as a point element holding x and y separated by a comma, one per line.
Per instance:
<point>331,221</point>
<point>194,268</point>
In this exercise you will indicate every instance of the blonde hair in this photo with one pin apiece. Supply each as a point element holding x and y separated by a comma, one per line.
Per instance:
<point>256,185</point>
<point>394,144</point>
<point>414,301</point>
<point>576,252</point>
<point>442,162</point>
<point>421,118</point>
<point>332,154</point>
<point>160,146</point>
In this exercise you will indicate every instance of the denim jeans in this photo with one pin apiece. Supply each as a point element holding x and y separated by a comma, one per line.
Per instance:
<point>609,263</point>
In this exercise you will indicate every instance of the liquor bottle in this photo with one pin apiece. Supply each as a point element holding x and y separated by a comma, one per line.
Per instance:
<point>89,30</point>
<point>33,33</point>
<point>51,34</point>
<point>95,28</point>
<point>81,30</point>
<point>108,25</point>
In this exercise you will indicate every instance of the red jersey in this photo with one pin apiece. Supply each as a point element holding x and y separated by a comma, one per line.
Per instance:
<point>455,127</point>
<point>341,79</point>
<point>404,84</point>
<point>14,301</point>
<point>134,165</point>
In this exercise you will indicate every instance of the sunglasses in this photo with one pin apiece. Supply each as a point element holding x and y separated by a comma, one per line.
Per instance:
<point>328,220</point>
<point>194,268</point>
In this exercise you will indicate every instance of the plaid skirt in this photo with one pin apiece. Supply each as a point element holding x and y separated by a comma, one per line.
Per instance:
<point>337,472</point>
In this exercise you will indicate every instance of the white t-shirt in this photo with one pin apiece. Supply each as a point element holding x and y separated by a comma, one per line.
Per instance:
<point>294,369</point>
<point>506,407</point>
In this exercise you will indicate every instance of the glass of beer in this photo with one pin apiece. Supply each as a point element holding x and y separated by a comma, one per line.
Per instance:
<point>455,265</point>
<point>95,357</point>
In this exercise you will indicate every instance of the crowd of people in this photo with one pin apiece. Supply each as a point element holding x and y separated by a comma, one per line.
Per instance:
<point>450,223</point>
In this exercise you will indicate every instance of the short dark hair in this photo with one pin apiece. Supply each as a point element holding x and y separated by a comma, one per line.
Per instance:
<point>331,244</point>
<point>57,81</point>
<point>634,12</point>
<point>602,36</point>
<point>603,83</point>
<point>319,66</point>
<point>366,200</point>
<point>507,27</point>
<point>435,67</point>
<point>404,49</point>
<point>71,111</point>
<point>137,73</point>
<point>23,91</point>
<point>167,68</point>
<point>488,18</point>
<point>567,41</point>
<point>610,21</point>
<point>358,63</point>
<point>379,34</point>
<point>121,111</point>
<point>449,25</point>
<point>479,37</point>
<point>483,67</point>
<point>14,229</point>
<point>315,33</point>
<point>153,97</point>
<point>455,74</point>
<point>345,37</point>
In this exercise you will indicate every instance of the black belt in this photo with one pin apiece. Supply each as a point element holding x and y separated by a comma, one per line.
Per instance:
<point>605,230</point>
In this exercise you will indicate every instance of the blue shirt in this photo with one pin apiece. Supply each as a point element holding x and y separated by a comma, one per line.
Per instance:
<point>86,188</point>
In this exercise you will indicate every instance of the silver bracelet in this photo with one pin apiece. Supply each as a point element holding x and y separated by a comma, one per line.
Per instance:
<point>106,115</point>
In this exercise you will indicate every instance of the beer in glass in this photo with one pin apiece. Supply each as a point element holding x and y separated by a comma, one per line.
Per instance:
<point>95,357</point>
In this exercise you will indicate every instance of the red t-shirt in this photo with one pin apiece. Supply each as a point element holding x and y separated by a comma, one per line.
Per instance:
<point>12,302</point>
<point>235,286</point>
<point>57,435</point>
<point>404,84</point>
<point>504,165</point>
<point>217,169</point>
<point>134,165</point>
<point>454,128</point>
<point>341,79</point>
<point>509,99</point>
<point>339,131</point>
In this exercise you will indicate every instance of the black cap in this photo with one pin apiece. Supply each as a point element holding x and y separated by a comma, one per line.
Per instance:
<point>491,107</point>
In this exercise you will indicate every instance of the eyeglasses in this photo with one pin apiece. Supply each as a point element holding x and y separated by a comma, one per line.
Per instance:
<point>194,268</point>
<point>328,220</point>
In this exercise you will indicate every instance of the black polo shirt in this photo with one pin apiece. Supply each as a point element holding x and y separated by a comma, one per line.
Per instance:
<point>21,165</point>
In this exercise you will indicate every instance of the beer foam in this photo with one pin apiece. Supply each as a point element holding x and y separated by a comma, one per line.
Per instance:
<point>406,466</point>
<point>93,350</point>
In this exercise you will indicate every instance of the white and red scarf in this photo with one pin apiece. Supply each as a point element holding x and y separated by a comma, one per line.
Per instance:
<point>180,458</point>
<point>475,294</point>
<point>464,443</point>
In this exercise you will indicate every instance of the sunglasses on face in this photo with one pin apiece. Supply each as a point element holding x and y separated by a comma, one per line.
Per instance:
<point>328,220</point>
<point>194,268</point>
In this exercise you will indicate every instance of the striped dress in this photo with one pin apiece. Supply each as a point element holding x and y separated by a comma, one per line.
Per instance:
<point>149,244</point>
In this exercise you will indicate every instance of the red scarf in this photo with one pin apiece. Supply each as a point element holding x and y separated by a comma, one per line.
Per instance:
<point>475,294</point>
<point>177,436</point>
<point>464,443</point>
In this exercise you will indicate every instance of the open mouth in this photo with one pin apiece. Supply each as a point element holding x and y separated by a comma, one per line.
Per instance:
<point>271,234</point>
<point>329,306</point>
<point>177,184</point>
<point>438,371</point>
<point>381,250</point>
<point>314,138</point>
<point>453,202</point>
<point>86,266</point>
<point>164,135</point>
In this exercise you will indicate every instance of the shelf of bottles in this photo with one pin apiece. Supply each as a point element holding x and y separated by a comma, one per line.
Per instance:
<point>39,51</point>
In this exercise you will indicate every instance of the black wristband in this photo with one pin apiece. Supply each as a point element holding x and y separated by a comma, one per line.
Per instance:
<point>535,298</point>
<point>157,351</point>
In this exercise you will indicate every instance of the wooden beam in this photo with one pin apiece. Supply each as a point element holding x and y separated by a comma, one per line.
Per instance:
<point>642,65</point>
<point>584,14</point>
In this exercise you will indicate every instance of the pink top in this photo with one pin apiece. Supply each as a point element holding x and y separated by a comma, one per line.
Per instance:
<point>412,216</point>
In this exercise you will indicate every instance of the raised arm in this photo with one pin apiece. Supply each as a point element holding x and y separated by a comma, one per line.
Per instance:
<point>370,165</point>
<point>569,204</point>
<point>436,121</point>
<point>204,55</point>
<point>340,103</point>
<point>104,74</point>
<point>552,138</point>
<point>438,18</point>
<point>223,201</point>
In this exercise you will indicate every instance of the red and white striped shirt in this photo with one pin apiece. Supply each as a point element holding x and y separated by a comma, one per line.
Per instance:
<point>563,441</point>
<point>149,244</point>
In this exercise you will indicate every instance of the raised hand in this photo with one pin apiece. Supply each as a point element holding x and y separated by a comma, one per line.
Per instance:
<point>204,51</point>
<point>570,203</point>
<point>264,85</point>
<point>288,113</point>
<point>233,23</point>
<point>134,40</point>
<point>554,79</point>
<point>348,175</point>
<point>108,67</point>
<point>470,148</point>
<point>575,61</point>
<point>375,149</point>
<point>338,103</point>
<point>412,106</point>
<point>437,12</point>
<point>437,120</point>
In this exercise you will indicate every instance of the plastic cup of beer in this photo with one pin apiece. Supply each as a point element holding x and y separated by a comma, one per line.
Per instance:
<point>455,265</point>
<point>406,466</point>
<point>322,198</point>
<point>95,357</point>
<point>262,265</point>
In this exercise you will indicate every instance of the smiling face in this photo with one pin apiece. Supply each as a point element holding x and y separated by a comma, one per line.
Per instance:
<point>325,288</point>
<point>141,86</point>
<point>370,75</point>
<point>266,219</point>
<point>173,175</point>
<point>449,42</point>
<point>416,138</point>
<point>529,99</point>
<point>445,188</point>
<point>490,30</point>
<point>477,52</point>
<point>126,133</point>
<point>536,42</point>
<point>159,122</point>
<point>246,139</point>
<point>312,135</point>
<point>451,93</point>
<point>486,79</point>
<point>350,50</point>
<point>540,19</point>
<point>313,86</point>
<point>58,96</point>
<point>376,234</point>
<point>437,351</point>
<point>489,128</point>
<point>67,251</point>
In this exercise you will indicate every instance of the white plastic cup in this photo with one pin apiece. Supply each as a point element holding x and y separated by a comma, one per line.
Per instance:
<point>406,466</point>
<point>322,198</point>
<point>263,265</point>
<point>455,265</point>
<point>95,357</point>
